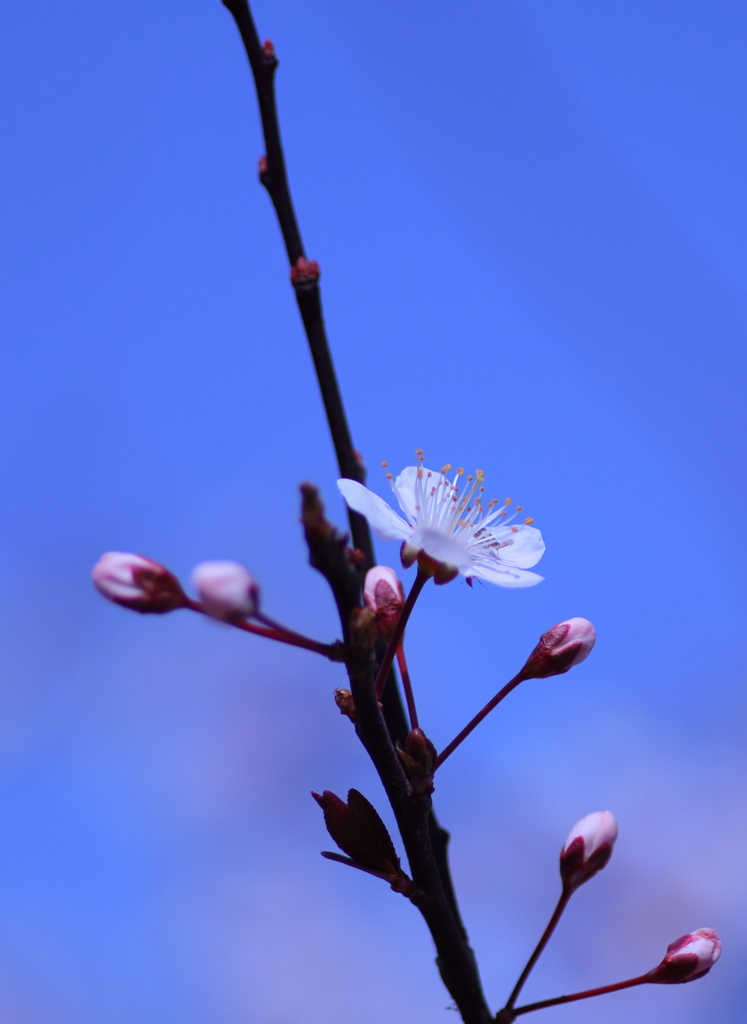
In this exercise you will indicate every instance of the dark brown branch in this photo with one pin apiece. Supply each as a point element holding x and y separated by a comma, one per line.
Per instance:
<point>432,897</point>
<point>425,841</point>
<point>274,177</point>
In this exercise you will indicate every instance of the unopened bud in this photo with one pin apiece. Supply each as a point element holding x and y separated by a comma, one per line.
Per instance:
<point>346,704</point>
<point>419,759</point>
<point>359,831</point>
<point>384,595</point>
<point>687,958</point>
<point>226,589</point>
<point>560,648</point>
<point>268,53</point>
<point>304,273</point>
<point>587,848</point>
<point>136,582</point>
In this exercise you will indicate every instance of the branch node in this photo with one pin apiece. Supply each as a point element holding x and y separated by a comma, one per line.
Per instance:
<point>305,274</point>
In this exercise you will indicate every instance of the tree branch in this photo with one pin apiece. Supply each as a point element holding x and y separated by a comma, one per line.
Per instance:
<point>433,896</point>
<point>425,841</point>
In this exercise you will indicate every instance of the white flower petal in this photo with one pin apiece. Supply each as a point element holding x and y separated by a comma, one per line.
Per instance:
<point>384,520</point>
<point>439,546</point>
<point>503,576</point>
<point>525,547</point>
<point>404,491</point>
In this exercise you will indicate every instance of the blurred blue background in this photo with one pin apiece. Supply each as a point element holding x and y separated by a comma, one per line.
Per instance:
<point>530,219</point>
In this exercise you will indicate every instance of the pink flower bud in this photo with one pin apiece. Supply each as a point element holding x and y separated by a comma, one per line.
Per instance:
<point>560,648</point>
<point>687,958</point>
<point>587,848</point>
<point>137,582</point>
<point>226,589</point>
<point>383,594</point>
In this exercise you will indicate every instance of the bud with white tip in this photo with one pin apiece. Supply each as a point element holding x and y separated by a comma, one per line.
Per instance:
<point>560,648</point>
<point>226,589</point>
<point>587,848</point>
<point>383,594</point>
<point>687,958</point>
<point>138,583</point>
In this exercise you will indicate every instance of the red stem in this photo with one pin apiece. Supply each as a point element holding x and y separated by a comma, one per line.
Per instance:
<point>479,717</point>
<point>557,913</point>
<point>331,651</point>
<point>420,581</point>
<point>407,686</point>
<point>630,983</point>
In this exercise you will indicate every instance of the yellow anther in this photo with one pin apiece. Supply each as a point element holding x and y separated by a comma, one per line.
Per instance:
<point>508,501</point>
<point>446,468</point>
<point>460,471</point>
<point>384,463</point>
<point>480,474</point>
<point>529,520</point>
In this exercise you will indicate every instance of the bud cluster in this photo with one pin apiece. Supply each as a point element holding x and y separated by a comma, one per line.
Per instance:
<point>374,638</point>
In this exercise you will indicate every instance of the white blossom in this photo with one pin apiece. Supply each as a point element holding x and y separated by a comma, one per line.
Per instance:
<point>449,523</point>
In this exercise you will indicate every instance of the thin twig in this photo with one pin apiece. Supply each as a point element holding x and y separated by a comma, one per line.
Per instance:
<point>308,296</point>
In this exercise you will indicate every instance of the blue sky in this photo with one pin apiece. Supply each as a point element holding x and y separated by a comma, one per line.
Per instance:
<point>531,228</point>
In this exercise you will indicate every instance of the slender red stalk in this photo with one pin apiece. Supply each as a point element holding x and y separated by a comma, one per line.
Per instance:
<point>479,717</point>
<point>291,634</point>
<point>630,983</point>
<point>557,913</point>
<point>407,686</point>
<point>420,581</point>
<point>334,652</point>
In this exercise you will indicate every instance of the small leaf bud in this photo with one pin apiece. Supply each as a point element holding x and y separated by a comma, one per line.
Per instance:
<point>587,848</point>
<point>359,831</point>
<point>687,958</point>
<point>226,589</point>
<point>383,594</point>
<point>138,583</point>
<point>304,273</point>
<point>268,54</point>
<point>419,759</point>
<point>560,648</point>
<point>346,704</point>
